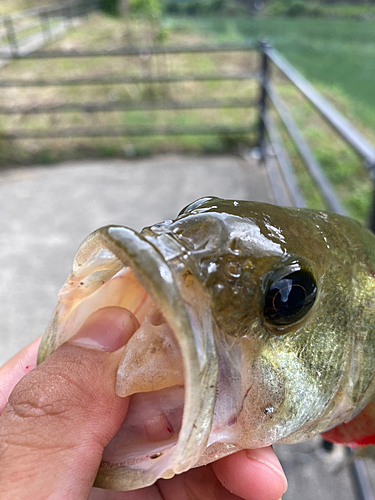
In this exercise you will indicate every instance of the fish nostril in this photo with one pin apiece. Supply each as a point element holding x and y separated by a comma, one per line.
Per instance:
<point>233,269</point>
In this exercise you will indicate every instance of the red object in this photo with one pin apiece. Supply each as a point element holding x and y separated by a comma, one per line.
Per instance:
<point>357,432</point>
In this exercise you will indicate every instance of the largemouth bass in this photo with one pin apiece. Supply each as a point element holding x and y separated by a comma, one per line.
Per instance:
<point>256,326</point>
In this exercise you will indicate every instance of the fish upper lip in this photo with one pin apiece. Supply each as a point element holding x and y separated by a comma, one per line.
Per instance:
<point>153,264</point>
<point>160,277</point>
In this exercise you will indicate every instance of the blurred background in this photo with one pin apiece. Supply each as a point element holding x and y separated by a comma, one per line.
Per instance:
<point>124,111</point>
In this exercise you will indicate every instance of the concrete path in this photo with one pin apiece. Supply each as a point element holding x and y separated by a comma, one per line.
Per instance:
<point>47,211</point>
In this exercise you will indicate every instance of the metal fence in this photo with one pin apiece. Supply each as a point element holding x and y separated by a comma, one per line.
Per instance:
<point>155,73</point>
<point>24,31</point>
<point>148,72</point>
<point>268,133</point>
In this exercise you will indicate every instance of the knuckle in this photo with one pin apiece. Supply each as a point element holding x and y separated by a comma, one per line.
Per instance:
<point>30,400</point>
<point>30,409</point>
<point>36,413</point>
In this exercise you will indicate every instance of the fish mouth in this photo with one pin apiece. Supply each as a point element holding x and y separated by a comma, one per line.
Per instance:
<point>168,367</point>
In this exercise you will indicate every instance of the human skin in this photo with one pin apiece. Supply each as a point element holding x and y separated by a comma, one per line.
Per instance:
<point>57,418</point>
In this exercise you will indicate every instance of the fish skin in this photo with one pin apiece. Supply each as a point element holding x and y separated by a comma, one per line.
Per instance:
<point>274,383</point>
<point>334,345</point>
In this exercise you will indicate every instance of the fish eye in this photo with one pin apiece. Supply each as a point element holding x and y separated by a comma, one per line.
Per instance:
<point>289,296</point>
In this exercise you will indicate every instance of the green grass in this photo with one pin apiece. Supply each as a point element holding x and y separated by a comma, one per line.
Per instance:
<point>12,6</point>
<point>338,56</point>
<point>341,165</point>
<point>101,31</point>
<point>339,53</point>
<point>316,8</point>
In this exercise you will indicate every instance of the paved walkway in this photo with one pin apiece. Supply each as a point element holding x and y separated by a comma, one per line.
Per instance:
<point>50,210</point>
<point>47,211</point>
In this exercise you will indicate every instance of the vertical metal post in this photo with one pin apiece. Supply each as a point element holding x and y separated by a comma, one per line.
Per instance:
<point>68,15</point>
<point>371,222</point>
<point>85,9</point>
<point>44,22</point>
<point>78,9</point>
<point>264,77</point>
<point>64,15</point>
<point>11,36</point>
<point>128,33</point>
<point>359,477</point>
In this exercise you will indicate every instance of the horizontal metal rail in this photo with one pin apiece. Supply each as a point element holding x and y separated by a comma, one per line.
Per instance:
<point>275,177</point>
<point>26,31</point>
<point>283,161</point>
<point>36,11</point>
<point>123,132</point>
<point>138,51</point>
<point>305,152</point>
<point>22,41</point>
<point>118,80</point>
<point>329,113</point>
<point>95,107</point>
<point>34,24</point>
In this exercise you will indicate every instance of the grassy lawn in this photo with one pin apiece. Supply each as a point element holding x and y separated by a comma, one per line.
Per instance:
<point>103,32</point>
<point>12,6</point>
<point>336,55</point>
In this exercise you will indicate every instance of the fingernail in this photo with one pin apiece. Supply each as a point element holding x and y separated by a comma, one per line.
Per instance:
<point>267,457</point>
<point>107,329</point>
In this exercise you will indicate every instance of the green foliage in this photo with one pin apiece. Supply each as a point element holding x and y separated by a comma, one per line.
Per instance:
<point>341,10</point>
<point>111,7</point>
<point>304,9</point>
<point>162,36</point>
<point>337,56</point>
<point>295,9</point>
<point>195,7</point>
<point>146,7</point>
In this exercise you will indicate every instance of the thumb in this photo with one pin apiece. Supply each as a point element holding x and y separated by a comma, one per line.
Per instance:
<point>61,415</point>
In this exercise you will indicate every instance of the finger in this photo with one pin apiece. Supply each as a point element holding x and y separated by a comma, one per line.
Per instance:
<point>16,368</point>
<point>61,415</point>
<point>200,483</point>
<point>252,474</point>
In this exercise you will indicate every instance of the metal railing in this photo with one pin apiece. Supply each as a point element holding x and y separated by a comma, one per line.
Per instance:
<point>270,137</point>
<point>29,29</point>
<point>269,103</point>
<point>147,75</point>
<point>271,98</point>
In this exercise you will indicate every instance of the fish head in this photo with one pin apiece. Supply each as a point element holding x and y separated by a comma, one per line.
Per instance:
<point>255,328</point>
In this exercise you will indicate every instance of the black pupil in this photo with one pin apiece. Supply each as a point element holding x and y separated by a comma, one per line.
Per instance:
<point>290,297</point>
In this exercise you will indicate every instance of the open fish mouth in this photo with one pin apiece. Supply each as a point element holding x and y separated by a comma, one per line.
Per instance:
<point>245,334</point>
<point>168,367</point>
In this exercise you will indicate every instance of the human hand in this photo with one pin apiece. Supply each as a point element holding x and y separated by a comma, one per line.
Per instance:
<point>62,414</point>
